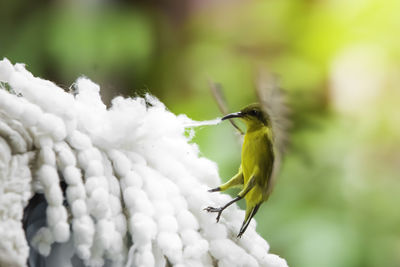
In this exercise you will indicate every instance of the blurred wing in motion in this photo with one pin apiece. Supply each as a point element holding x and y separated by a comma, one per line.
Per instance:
<point>219,97</point>
<point>273,102</point>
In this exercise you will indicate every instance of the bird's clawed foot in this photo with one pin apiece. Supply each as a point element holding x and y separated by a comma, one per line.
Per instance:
<point>212,209</point>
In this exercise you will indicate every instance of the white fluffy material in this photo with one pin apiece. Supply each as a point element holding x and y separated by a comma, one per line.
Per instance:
<point>15,191</point>
<point>135,185</point>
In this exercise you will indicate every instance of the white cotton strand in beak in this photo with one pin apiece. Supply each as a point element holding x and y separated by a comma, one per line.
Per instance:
<point>188,123</point>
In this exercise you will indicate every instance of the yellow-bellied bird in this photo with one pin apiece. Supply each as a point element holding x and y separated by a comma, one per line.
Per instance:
<point>260,157</point>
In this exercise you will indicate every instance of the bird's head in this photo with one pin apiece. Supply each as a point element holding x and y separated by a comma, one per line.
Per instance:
<point>252,115</point>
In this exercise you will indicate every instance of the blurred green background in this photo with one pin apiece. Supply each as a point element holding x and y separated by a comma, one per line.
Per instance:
<point>337,199</point>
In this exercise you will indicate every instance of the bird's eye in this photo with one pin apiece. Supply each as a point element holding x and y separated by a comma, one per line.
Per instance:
<point>254,112</point>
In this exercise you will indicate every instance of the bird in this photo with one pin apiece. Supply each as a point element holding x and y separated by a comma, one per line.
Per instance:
<point>263,145</point>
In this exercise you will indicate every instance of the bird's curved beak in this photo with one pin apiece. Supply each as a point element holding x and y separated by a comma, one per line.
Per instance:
<point>233,115</point>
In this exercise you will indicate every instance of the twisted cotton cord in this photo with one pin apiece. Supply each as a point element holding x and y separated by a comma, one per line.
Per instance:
<point>15,191</point>
<point>96,189</point>
<point>57,228</point>
<point>117,251</point>
<point>139,209</point>
<point>82,223</point>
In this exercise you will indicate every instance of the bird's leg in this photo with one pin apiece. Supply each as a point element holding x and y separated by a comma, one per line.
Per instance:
<point>220,209</point>
<point>234,181</point>
<point>248,186</point>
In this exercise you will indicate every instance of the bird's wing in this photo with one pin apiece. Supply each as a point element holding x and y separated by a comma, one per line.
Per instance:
<point>273,103</point>
<point>216,90</point>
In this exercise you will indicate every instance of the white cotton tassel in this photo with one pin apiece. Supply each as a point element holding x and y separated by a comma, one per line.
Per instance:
<point>142,227</point>
<point>195,247</point>
<point>167,239</point>
<point>117,250</point>
<point>82,223</point>
<point>48,176</point>
<point>15,186</point>
<point>106,238</point>
<point>56,213</point>
<point>78,197</point>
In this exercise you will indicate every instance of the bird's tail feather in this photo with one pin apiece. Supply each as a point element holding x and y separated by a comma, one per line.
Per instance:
<point>247,219</point>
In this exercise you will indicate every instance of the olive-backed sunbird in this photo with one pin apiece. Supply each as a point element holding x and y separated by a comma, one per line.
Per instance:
<point>259,160</point>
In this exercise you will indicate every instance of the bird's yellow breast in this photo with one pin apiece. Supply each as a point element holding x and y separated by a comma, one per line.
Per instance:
<point>257,155</point>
